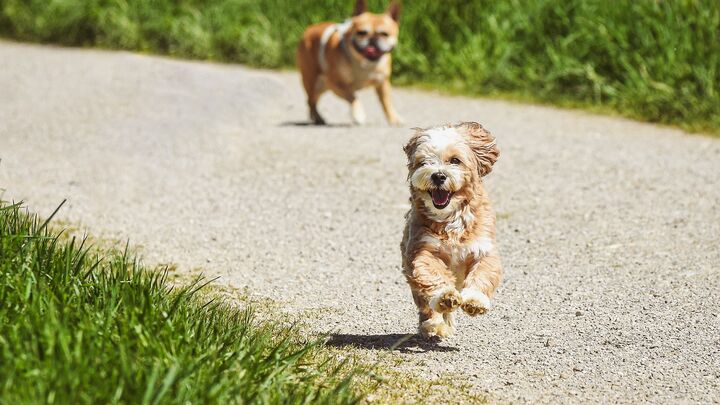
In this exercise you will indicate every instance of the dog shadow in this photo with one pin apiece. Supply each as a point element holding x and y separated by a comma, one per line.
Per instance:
<point>312,124</point>
<point>404,343</point>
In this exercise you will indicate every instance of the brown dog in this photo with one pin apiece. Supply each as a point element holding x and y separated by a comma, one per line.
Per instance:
<point>450,257</point>
<point>348,57</point>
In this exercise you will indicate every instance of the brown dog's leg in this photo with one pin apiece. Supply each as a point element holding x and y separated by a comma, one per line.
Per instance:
<point>480,283</point>
<point>314,87</point>
<point>383,92</point>
<point>312,79</point>
<point>434,293</point>
<point>357,112</point>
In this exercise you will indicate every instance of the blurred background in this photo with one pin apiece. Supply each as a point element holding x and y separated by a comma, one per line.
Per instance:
<point>657,61</point>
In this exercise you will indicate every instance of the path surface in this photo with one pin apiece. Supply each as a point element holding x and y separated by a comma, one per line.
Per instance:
<point>609,229</point>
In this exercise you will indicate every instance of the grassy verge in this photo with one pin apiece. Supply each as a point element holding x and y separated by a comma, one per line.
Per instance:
<point>79,328</point>
<point>81,324</point>
<point>652,60</point>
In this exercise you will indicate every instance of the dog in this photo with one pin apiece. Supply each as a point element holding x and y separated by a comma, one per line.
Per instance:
<point>450,257</point>
<point>348,57</point>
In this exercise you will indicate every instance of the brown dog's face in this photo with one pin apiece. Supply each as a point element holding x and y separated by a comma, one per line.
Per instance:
<point>373,35</point>
<point>446,163</point>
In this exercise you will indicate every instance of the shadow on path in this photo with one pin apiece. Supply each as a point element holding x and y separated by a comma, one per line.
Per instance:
<point>404,343</point>
<point>310,124</point>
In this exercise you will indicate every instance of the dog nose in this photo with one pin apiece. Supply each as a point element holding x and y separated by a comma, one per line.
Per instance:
<point>438,178</point>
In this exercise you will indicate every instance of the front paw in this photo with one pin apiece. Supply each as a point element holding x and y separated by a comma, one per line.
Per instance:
<point>446,301</point>
<point>475,302</point>
<point>358,119</point>
<point>436,328</point>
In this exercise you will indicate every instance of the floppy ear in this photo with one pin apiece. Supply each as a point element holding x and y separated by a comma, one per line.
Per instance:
<point>394,10</point>
<point>412,143</point>
<point>360,7</point>
<point>483,145</point>
<point>410,147</point>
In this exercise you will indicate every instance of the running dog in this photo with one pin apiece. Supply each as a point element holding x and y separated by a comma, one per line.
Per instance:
<point>348,57</point>
<point>450,257</point>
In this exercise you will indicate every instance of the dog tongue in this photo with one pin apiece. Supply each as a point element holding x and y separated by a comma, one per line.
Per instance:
<point>440,197</point>
<point>371,51</point>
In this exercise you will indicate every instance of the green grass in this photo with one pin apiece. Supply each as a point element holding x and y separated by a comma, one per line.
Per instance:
<point>656,60</point>
<point>79,328</point>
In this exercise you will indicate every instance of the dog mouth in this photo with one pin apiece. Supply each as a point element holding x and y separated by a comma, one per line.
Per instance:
<point>371,52</point>
<point>440,198</point>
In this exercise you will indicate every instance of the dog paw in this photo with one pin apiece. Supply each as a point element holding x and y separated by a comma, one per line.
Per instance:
<point>475,302</point>
<point>358,117</point>
<point>316,118</point>
<point>446,301</point>
<point>358,113</point>
<point>396,121</point>
<point>436,328</point>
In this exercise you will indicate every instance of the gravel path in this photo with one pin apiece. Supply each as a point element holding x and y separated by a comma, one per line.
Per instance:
<point>609,229</point>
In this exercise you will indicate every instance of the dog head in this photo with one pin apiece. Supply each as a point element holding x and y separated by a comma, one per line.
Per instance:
<point>373,35</point>
<point>446,165</point>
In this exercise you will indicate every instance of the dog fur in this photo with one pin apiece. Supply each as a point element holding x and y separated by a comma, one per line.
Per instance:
<point>345,58</point>
<point>450,256</point>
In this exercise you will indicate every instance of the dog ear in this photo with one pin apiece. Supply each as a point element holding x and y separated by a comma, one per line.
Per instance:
<point>360,7</point>
<point>483,145</point>
<point>410,147</point>
<point>394,10</point>
<point>412,143</point>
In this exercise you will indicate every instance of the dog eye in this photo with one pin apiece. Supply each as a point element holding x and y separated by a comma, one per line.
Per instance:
<point>383,34</point>
<point>362,33</point>
<point>455,161</point>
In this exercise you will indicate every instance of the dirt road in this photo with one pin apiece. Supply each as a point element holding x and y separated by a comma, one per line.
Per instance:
<point>609,229</point>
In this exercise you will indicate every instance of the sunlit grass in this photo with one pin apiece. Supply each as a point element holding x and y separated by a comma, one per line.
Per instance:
<point>80,325</point>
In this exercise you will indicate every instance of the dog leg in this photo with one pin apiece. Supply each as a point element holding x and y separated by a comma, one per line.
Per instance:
<point>315,116</point>
<point>357,111</point>
<point>433,323</point>
<point>434,292</point>
<point>318,88</point>
<point>314,85</point>
<point>383,92</point>
<point>480,283</point>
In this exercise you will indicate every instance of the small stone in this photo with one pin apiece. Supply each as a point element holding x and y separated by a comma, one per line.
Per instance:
<point>578,313</point>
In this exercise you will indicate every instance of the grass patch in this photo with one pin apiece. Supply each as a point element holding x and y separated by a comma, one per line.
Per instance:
<point>79,328</point>
<point>653,60</point>
<point>81,324</point>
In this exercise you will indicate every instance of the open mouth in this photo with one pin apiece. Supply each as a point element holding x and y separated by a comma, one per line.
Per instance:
<point>440,198</point>
<point>370,52</point>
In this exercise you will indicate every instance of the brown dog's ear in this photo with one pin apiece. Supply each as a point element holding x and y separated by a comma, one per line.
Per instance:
<point>360,7</point>
<point>483,145</point>
<point>394,10</point>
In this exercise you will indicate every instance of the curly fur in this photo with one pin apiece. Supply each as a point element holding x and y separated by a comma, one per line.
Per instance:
<point>449,252</point>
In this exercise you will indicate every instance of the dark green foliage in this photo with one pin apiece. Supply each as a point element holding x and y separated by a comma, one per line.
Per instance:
<point>657,60</point>
<point>78,329</point>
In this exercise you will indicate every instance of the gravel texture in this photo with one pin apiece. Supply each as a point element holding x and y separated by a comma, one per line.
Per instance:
<point>609,229</point>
